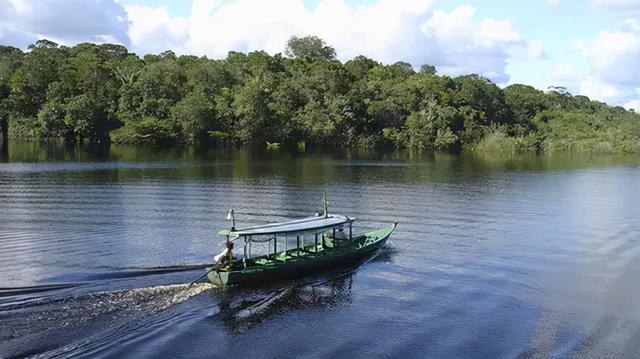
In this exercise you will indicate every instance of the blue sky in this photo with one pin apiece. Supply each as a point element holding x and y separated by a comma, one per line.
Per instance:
<point>591,46</point>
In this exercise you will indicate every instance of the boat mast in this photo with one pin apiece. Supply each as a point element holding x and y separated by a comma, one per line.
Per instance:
<point>231,216</point>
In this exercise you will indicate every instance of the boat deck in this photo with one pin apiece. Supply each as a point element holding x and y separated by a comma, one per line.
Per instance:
<point>324,247</point>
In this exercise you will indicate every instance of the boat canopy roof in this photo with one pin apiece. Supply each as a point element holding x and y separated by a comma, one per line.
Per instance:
<point>295,226</point>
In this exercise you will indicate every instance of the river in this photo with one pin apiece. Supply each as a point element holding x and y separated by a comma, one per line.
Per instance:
<point>494,256</point>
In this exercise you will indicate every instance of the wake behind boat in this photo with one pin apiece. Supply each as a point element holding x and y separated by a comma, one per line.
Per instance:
<point>293,249</point>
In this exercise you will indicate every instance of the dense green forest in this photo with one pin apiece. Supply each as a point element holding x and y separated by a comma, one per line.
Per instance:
<point>304,98</point>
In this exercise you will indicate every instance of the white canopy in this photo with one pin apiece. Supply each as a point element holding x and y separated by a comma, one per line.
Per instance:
<point>298,225</point>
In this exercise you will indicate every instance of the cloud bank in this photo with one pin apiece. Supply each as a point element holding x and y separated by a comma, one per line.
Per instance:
<point>456,42</point>
<point>614,59</point>
<point>23,22</point>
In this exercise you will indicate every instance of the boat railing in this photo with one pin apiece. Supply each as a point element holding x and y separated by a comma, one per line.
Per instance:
<point>284,248</point>
<point>290,245</point>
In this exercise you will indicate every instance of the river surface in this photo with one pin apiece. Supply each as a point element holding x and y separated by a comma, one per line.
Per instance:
<point>493,257</point>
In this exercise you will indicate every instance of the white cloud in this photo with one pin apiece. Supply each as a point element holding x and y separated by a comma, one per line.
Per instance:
<point>67,21</point>
<point>634,104</point>
<point>594,87</point>
<point>531,50</point>
<point>580,46</point>
<point>155,29</point>
<point>630,25</point>
<point>455,42</point>
<point>534,50</point>
<point>462,45</point>
<point>553,2</point>
<point>622,7</point>
<point>565,73</point>
<point>614,57</point>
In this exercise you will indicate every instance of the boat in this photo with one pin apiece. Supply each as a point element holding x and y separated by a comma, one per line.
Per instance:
<point>294,249</point>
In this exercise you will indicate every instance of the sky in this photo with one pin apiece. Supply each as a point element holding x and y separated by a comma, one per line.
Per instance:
<point>592,47</point>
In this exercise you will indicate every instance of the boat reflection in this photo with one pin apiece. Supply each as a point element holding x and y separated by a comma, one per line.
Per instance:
<point>243,309</point>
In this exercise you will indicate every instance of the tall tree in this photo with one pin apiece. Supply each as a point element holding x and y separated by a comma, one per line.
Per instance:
<point>309,48</point>
<point>195,114</point>
<point>10,60</point>
<point>29,83</point>
<point>482,94</point>
<point>252,105</point>
<point>525,102</point>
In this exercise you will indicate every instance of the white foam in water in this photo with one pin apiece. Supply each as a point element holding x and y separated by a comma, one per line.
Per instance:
<point>39,328</point>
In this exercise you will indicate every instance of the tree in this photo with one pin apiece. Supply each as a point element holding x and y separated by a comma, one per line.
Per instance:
<point>52,123</point>
<point>428,69</point>
<point>205,76</point>
<point>154,92</point>
<point>112,52</point>
<point>86,119</point>
<point>147,130</point>
<point>128,69</point>
<point>29,83</point>
<point>482,94</point>
<point>525,102</point>
<point>10,61</point>
<point>427,129</point>
<point>252,105</point>
<point>309,48</point>
<point>195,114</point>
<point>403,68</point>
<point>360,65</point>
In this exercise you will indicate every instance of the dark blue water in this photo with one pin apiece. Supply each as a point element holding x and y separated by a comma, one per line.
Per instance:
<point>529,256</point>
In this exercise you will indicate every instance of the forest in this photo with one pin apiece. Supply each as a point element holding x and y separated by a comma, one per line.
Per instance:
<point>303,98</point>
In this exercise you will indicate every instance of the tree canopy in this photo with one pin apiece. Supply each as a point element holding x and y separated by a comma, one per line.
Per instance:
<point>103,93</point>
<point>309,48</point>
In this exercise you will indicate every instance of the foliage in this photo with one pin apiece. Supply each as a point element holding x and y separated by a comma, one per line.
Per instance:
<point>309,48</point>
<point>195,115</point>
<point>498,141</point>
<point>525,102</point>
<point>51,120</point>
<point>147,130</point>
<point>306,99</point>
<point>445,139</point>
<point>86,118</point>
<point>273,146</point>
<point>581,131</point>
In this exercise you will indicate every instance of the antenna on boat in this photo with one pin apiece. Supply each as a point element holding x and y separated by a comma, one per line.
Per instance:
<point>325,205</point>
<point>231,217</point>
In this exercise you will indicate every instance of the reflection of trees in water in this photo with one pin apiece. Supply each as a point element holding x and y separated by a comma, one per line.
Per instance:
<point>241,310</point>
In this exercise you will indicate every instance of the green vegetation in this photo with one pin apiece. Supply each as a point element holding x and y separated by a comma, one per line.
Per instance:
<point>305,99</point>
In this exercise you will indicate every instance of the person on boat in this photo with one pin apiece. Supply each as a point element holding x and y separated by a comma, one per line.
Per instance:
<point>226,256</point>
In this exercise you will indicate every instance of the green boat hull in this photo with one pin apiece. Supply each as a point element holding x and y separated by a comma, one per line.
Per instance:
<point>295,264</point>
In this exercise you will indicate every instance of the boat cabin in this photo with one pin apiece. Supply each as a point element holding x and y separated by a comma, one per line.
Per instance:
<point>280,242</point>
